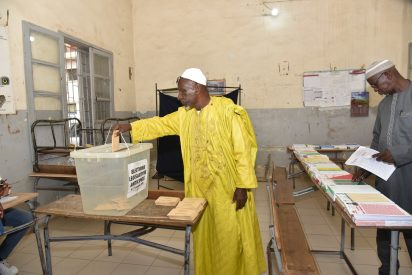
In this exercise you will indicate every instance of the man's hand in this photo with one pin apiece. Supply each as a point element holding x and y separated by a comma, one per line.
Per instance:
<point>385,156</point>
<point>360,175</point>
<point>122,128</point>
<point>240,197</point>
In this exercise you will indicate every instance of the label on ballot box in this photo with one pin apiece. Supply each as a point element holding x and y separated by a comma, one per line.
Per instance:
<point>138,173</point>
<point>112,183</point>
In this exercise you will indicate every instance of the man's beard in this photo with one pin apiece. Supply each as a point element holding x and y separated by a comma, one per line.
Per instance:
<point>187,107</point>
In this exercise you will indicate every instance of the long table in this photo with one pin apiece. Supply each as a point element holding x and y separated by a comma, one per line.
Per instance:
<point>334,152</point>
<point>146,215</point>
<point>346,219</point>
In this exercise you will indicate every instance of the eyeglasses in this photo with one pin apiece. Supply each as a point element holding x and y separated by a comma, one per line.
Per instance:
<point>375,83</point>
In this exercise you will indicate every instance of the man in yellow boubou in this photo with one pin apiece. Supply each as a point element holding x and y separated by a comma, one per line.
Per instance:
<point>219,152</point>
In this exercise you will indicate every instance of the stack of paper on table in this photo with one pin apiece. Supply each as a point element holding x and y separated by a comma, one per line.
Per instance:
<point>381,211</point>
<point>351,189</point>
<point>346,176</point>
<point>302,146</point>
<point>328,166</point>
<point>373,209</point>
<point>167,201</point>
<point>187,209</point>
<point>360,197</point>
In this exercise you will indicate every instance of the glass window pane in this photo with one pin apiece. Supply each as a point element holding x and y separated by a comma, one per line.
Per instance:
<point>102,110</point>
<point>101,65</point>
<point>102,87</point>
<point>43,103</point>
<point>46,78</point>
<point>44,48</point>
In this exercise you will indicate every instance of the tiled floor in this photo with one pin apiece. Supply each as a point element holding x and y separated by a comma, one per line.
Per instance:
<point>90,257</point>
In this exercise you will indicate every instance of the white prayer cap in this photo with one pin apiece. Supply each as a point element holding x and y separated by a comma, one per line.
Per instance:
<point>378,67</point>
<point>195,75</point>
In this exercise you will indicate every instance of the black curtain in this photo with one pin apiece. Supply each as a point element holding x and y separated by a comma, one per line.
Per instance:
<point>169,156</point>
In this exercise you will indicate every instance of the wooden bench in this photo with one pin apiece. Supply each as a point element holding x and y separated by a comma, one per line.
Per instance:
<point>288,238</point>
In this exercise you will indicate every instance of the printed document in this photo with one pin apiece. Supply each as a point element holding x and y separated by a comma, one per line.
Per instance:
<point>363,158</point>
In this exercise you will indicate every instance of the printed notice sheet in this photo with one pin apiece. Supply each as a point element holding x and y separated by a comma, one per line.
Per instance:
<point>363,158</point>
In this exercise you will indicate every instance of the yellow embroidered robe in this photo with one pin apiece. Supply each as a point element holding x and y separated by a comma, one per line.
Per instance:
<point>219,151</point>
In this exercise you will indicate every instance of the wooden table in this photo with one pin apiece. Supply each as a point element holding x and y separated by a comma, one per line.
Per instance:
<point>26,198</point>
<point>146,215</point>
<point>346,219</point>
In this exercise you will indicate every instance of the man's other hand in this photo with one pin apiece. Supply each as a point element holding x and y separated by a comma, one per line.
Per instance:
<point>1,211</point>
<point>360,175</point>
<point>122,128</point>
<point>4,188</point>
<point>385,156</point>
<point>240,197</point>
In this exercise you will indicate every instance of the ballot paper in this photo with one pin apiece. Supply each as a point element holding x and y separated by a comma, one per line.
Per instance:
<point>115,141</point>
<point>362,157</point>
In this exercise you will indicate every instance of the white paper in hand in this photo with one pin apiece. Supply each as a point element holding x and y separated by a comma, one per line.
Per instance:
<point>363,158</point>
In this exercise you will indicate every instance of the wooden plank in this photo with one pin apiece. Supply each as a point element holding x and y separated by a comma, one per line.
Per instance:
<point>57,169</point>
<point>284,188</point>
<point>296,255</point>
<point>50,175</point>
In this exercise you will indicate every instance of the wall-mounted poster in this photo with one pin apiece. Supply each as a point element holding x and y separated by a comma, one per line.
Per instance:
<point>331,88</point>
<point>359,104</point>
<point>216,86</point>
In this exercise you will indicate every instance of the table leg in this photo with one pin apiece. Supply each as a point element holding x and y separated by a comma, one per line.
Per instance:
<point>352,238</point>
<point>394,252</point>
<point>47,246</point>
<point>342,238</point>
<point>107,225</point>
<point>187,248</point>
<point>35,184</point>
<point>292,168</point>
<point>37,234</point>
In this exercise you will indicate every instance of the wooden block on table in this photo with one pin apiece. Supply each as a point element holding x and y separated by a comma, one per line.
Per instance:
<point>167,201</point>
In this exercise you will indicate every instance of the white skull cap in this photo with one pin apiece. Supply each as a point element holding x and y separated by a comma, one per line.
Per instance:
<point>378,67</point>
<point>195,75</point>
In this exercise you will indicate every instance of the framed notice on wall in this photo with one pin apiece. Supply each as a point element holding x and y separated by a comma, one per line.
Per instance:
<point>331,88</point>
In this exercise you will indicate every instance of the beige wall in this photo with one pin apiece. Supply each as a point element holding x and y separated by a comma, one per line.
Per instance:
<point>104,23</point>
<point>233,40</point>
<point>228,39</point>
